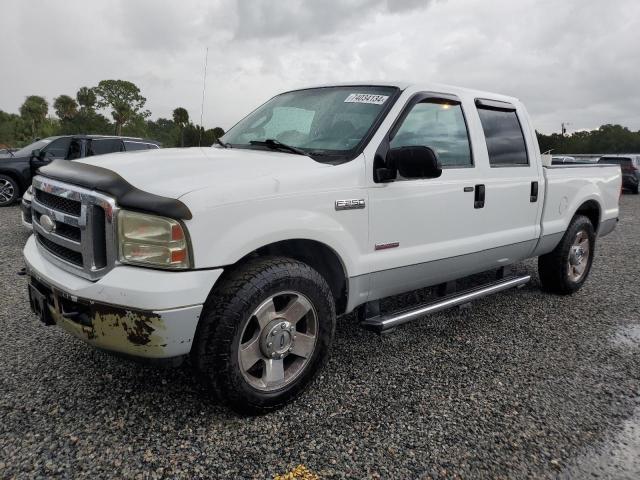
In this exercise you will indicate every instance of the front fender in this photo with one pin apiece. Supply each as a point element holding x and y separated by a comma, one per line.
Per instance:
<point>227,234</point>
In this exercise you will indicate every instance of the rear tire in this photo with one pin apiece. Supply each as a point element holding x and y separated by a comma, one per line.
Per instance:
<point>9,191</point>
<point>264,334</point>
<point>565,269</point>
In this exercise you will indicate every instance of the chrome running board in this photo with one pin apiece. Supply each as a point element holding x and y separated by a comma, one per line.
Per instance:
<point>382,323</point>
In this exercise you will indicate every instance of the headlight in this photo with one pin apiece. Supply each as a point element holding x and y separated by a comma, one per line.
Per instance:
<point>152,240</point>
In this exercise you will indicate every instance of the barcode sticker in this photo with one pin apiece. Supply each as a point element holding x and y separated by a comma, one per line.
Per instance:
<point>366,98</point>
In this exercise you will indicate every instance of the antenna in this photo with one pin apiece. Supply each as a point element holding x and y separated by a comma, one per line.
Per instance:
<point>204,88</point>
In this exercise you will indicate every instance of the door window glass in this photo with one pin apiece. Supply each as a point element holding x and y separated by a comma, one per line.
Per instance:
<point>505,140</point>
<point>59,148</point>
<point>438,125</point>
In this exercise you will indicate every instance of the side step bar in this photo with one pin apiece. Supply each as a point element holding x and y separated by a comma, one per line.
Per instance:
<point>382,323</point>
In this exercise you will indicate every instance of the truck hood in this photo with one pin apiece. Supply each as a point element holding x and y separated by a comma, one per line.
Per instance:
<point>174,172</point>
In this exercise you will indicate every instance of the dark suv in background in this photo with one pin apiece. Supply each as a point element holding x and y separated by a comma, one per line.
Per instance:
<point>630,166</point>
<point>17,168</point>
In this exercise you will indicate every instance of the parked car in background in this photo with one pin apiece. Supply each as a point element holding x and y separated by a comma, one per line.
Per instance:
<point>17,168</point>
<point>630,167</point>
<point>561,159</point>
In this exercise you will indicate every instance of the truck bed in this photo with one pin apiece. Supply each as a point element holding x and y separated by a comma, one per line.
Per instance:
<point>568,187</point>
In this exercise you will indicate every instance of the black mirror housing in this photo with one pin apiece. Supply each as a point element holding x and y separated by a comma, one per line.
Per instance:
<point>416,161</point>
<point>37,153</point>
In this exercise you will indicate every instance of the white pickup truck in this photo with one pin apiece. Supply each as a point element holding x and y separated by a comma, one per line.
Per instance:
<point>319,202</point>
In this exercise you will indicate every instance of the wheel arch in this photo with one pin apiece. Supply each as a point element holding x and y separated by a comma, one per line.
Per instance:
<point>319,256</point>
<point>592,210</point>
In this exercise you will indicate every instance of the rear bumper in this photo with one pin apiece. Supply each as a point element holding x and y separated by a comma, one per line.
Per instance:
<point>134,311</point>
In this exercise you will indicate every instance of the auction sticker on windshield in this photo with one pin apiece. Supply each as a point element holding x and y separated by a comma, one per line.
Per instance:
<point>366,98</point>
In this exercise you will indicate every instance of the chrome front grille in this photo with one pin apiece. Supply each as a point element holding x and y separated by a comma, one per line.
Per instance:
<point>79,234</point>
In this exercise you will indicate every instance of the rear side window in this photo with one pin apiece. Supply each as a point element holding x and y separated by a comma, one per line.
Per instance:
<point>100,147</point>
<point>439,125</point>
<point>505,140</point>
<point>131,146</point>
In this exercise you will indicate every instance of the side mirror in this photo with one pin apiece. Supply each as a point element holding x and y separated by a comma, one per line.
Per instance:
<point>37,153</point>
<point>415,162</point>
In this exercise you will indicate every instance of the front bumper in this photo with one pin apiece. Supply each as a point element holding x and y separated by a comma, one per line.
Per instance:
<point>134,311</point>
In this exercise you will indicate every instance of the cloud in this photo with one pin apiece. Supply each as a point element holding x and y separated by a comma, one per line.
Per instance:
<point>307,20</point>
<point>570,61</point>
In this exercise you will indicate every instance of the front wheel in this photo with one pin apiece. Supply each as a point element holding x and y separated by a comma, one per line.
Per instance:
<point>9,191</point>
<point>264,334</point>
<point>566,268</point>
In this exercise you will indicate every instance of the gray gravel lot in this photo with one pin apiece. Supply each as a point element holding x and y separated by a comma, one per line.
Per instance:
<point>523,384</point>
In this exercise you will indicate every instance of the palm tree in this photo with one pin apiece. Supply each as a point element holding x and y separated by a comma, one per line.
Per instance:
<point>181,119</point>
<point>66,107</point>
<point>34,110</point>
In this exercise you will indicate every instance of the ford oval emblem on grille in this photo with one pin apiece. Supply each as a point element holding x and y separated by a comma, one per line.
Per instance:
<point>47,224</point>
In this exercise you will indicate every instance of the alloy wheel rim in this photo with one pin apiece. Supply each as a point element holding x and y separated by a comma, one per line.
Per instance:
<point>278,341</point>
<point>6,190</point>
<point>579,253</point>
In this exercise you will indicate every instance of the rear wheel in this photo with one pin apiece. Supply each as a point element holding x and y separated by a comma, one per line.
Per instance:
<point>567,267</point>
<point>264,334</point>
<point>9,191</point>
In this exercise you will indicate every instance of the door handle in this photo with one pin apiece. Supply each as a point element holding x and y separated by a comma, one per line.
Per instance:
<point>478,201</point>
<point>534,192</point>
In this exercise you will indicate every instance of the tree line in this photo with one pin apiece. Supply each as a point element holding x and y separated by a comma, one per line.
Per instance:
<point>124,101</point>
<point>606,139</point>
<point>82,114</point>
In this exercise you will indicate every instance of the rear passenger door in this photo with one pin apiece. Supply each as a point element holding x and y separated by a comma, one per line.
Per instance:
<point>513,187</point>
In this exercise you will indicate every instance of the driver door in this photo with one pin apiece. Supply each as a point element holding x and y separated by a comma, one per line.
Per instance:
<point>419,227</point>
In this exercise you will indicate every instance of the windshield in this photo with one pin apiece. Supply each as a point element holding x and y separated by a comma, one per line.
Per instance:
<point>40,144</point>
<point>331,121</point>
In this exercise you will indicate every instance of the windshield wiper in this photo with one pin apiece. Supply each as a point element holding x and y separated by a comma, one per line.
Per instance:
<point>223,144</point>
<point>277,145</point>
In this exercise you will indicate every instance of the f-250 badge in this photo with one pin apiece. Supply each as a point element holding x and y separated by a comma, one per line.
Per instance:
<point>351,204</point>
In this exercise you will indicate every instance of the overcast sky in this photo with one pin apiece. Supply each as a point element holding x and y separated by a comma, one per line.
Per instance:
<point>575,61</point>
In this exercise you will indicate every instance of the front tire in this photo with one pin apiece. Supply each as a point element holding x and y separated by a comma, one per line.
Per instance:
<point>566,268</point>
<point>9,191</point>
<point>264,333</point>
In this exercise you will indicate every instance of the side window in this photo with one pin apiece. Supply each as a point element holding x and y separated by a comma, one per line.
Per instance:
<point>438,125</point>
<point>100,147</point>
<point>505,140</point>
<point>59,148</point>
<point>131,146</point>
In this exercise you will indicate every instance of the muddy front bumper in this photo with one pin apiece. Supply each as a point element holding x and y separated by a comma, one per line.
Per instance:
<point>133,311</point>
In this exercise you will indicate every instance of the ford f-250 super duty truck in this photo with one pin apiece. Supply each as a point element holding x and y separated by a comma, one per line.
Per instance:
<point>320,202</point>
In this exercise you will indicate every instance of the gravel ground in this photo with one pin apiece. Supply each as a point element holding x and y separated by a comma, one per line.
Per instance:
<point>523,384</point>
